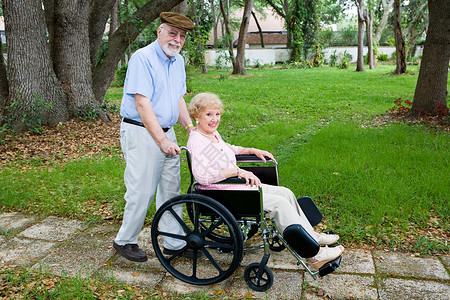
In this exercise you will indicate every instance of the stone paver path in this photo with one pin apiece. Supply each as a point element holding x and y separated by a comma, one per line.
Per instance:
<point>68,247</point>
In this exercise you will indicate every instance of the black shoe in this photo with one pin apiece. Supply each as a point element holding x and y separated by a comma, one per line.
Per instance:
<point>188,253</point>
<point>131,252</point>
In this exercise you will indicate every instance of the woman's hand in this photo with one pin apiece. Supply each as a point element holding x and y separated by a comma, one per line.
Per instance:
<point>250,178</point>
<point>262,154</point>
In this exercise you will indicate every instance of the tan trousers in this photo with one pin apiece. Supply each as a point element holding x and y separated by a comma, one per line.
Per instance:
<point>282,205</point>
<point>148,171</point>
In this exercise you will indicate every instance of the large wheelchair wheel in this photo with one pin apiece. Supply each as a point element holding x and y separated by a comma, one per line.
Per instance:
<point>207,219</point>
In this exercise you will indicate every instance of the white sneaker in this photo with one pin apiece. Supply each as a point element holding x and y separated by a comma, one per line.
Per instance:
<point>327,254</point>
<point>327,239</point>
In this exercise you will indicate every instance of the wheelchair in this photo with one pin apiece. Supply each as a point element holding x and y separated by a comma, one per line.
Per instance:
<point>217,223</point>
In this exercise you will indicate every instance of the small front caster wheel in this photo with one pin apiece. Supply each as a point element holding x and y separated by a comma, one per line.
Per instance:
<point>258,282</point>
<point>276,245</point>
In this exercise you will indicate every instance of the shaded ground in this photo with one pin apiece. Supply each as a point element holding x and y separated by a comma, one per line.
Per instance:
<point>63,142</point>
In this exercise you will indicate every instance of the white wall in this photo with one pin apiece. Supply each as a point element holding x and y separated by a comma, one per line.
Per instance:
<point>272,56</point>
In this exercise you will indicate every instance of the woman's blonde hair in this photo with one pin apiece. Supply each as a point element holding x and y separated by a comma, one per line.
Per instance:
<point>201,101</point>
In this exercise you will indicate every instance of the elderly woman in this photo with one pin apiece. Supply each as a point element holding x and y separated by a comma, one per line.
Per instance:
<point>214,160</point>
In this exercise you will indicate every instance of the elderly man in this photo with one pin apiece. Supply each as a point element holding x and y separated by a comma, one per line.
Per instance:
<point>152,103</point>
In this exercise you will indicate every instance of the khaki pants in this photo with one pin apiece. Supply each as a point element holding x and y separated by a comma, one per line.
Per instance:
<point>148,169</point>
<point>282,205</point>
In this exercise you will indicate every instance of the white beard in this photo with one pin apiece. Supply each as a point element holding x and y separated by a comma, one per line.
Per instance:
<point>169,51</point>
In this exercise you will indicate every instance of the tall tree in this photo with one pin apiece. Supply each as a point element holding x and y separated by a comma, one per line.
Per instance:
<point>239,66</point>
<point>238,61</point>
<point>198,35</point>
<point>302,22</point>
<point>361,19</point>
<point>416,25</point>
<point>65,69</point>
<point>3,83</point>
<point>400,49</point>
<point>215,19</point>
<point>228,32</point>
<point>431,90</point>
<point>369,36</point>
<point>261,36</point>
<point>385,8</point>
<point>31,76</point>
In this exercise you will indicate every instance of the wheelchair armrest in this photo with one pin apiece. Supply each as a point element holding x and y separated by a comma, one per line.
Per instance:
<point>232,180</point>
<point>249,158</point>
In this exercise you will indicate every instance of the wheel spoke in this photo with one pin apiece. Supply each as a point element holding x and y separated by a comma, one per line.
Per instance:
<point>213,226</point>
<point>196,217</point>
<point>210,225</point>
<point>180,221</point>
<point>172,235</point>
<point>213,261</point>
<point>219,245</point>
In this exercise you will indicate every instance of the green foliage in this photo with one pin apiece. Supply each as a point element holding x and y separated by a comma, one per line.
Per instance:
<point>87,113</point>
<point>326,37</point>
<point>345,60</point>
<point>333,59</point>
<point>30,116</point>
<point>120,75</point>
<point>303,22</point>
<point>317,60</point>
<point>222,60</point>
<point>101,53</point>
<point>348,36</point>
<point>383,57</point>
<point>3,130</point>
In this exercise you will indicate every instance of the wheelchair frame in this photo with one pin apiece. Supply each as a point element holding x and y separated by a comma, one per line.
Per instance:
<point>233,230</point>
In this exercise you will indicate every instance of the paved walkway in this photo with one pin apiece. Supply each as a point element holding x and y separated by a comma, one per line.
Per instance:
<point>73,248</point>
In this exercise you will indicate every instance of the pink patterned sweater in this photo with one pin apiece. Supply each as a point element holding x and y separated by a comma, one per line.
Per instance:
<point>209,159</point>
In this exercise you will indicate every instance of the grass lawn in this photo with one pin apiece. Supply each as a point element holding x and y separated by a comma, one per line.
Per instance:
<point>377,183</point>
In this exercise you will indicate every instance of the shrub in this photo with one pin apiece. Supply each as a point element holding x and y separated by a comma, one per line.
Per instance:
<point>400,108</point>
<point>120,75</point>
<point>333,59</point>
<point>346,58</point>
<point>383,57</point>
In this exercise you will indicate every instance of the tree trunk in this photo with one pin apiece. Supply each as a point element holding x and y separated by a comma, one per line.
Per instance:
<point>71,35</point>
<point>226,23</point>
<point>361,20</point>
<point>182,8</point>
<point>50,81</point>
<point>114,19</point>
<point>3,84</point>
<point>369,35</point>
<point>98,16</point>
<point>415,29</point>
<point>213,13</point>
<point>430,96</point>
<point>399,41</point>
<point>284,14</point>
<point>383,20</point>
<point>261,37</point>
<point>32,81</point>
<point>239,67</point>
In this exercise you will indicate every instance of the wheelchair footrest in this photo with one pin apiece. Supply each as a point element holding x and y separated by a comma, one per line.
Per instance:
<point>330,266</point>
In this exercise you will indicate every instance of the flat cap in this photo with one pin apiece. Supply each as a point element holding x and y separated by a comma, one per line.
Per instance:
<point>176,20</point>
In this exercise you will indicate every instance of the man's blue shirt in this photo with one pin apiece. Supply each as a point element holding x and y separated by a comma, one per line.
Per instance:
<point>162,80</point>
